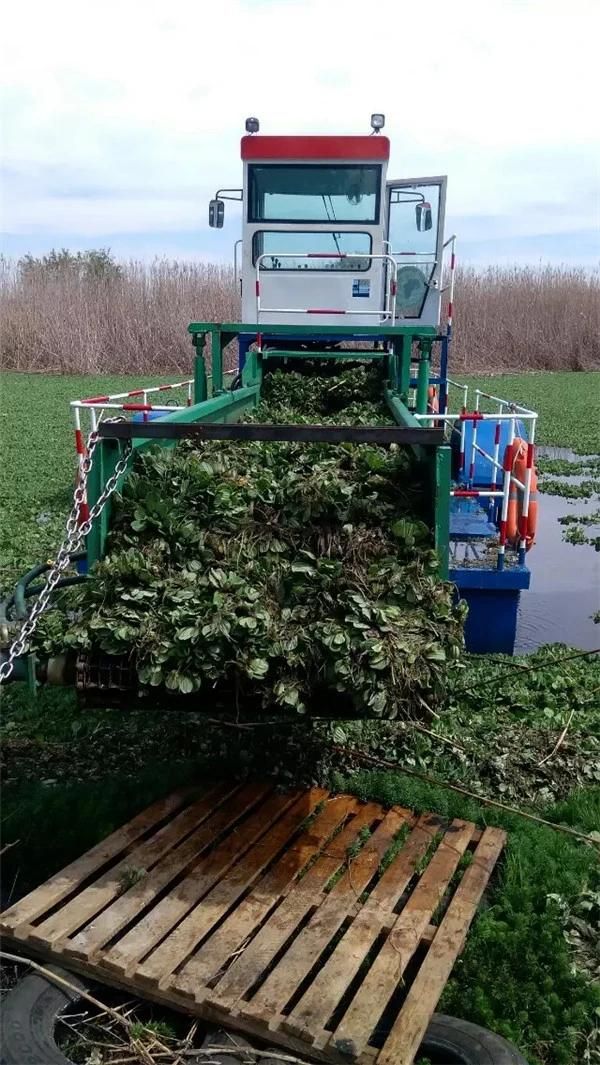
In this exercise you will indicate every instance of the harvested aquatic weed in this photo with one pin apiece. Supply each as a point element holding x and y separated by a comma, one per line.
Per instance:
<point>296,576</point>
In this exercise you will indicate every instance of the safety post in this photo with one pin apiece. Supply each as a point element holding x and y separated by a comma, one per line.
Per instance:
<point>474,441</point>
<point>463,425</point>
<point>463,428</point>
<point>452,241</point>
<point>508,461</point>
<point>496,463</point>
<point>443,401</point>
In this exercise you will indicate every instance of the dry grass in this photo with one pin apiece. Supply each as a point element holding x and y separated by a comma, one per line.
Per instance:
<point>513,318</point>
<point>527,318</point>
<point>62,322</point>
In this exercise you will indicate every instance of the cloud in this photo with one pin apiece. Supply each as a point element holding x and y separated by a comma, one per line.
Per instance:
<point>121,118</point>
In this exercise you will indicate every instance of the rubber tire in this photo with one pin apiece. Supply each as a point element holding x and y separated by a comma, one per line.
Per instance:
<point>452,1041</point>
<point>29,1016</point>
<point>448,1041</point>
<point>31,1010</point>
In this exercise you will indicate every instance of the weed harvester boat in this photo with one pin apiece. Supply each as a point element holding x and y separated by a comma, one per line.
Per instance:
<point>337,264</point>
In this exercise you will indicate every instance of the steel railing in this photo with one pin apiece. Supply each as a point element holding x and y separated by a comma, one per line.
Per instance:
<point>389,309</point>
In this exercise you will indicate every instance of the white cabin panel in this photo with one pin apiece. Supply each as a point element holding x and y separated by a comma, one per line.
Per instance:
<point>313,224</point>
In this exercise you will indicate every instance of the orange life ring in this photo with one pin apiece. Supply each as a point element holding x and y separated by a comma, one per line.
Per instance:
<point>517,528</point>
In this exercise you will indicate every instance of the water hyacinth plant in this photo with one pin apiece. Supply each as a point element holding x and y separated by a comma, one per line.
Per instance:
<point>287,577</point>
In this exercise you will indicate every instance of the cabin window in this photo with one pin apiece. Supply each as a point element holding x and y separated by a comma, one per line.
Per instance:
<point>314,193</point>
<point>327,249</point>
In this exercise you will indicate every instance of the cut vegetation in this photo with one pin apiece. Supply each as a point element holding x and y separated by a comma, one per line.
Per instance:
<point>278,576</point>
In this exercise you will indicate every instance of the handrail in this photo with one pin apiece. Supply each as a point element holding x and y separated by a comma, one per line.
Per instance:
<point>451,240</point>
<point>235,262</point>
<point>513,416</point>
<point>505,402</point>
<point>389,310</point>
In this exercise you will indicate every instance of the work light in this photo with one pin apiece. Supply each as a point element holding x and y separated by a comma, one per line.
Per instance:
<point>252,125</point>
<point>377,122</point>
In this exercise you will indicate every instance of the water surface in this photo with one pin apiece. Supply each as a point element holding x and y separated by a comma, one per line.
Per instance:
<point>565,578</point>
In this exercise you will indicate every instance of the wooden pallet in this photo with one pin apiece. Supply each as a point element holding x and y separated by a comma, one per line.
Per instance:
<point>319,923</point>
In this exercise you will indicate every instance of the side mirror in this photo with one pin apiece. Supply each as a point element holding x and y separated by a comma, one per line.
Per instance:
<point>216,214</point>
<point>423,216</point>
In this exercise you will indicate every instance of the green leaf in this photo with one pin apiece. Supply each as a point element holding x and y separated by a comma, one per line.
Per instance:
<point>188,633</point>
<point>257,667</point>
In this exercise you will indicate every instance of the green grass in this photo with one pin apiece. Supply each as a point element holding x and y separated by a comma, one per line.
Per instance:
<point>567,404</point>
<point>37,461</point>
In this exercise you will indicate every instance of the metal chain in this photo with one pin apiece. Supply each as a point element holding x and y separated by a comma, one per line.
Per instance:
<point>75,534</point>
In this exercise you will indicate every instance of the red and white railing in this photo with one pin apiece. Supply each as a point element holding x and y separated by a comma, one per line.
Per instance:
<point>389,309</point>
<point>512,413</point>
<point>124,403</point>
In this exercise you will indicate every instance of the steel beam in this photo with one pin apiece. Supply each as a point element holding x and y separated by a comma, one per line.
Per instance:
<point>323,434</point>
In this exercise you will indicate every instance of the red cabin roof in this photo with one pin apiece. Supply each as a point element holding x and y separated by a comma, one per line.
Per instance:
<point>365,149</point>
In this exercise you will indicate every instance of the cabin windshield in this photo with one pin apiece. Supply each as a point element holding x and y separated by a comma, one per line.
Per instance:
<point>346,193</point>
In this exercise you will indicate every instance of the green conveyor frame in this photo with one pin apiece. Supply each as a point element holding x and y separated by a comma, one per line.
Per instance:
<point>227,406</point>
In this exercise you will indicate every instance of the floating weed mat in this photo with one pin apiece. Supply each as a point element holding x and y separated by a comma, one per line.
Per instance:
<point>298,577</point>
<point>574,481</point>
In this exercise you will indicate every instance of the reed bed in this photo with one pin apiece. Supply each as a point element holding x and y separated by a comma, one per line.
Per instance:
<point>65,314</point>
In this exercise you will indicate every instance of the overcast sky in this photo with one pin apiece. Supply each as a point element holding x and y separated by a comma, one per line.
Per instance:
<point>122,117</point>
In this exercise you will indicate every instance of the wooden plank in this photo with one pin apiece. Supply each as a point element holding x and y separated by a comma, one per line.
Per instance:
<point>60,885</point>
<point>172,1000</point>
<point>316,1006</point>
<point>247,916</point>
<point>233,893</point>
<point>110,885</point>
<point>219,900</point>
<point>246,970</point>
<point>390,964</point>
<point>162,918</point>
<point>306,949</point>
<point>122,907</point>
<point>409,1027</point>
